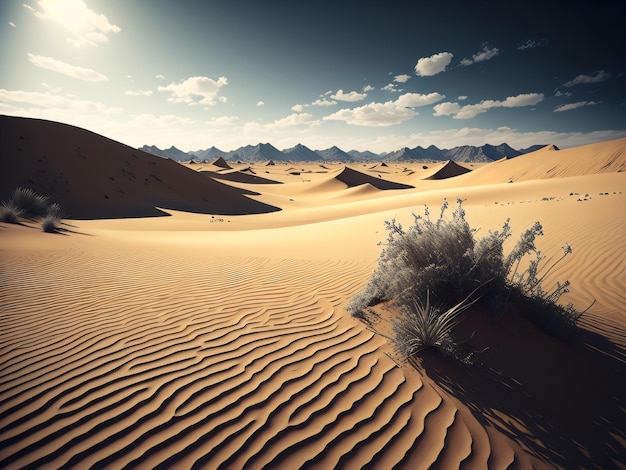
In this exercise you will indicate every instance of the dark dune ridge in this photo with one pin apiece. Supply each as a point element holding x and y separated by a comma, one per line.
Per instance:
<point>448,170</point>
<point>356,178</point>
<point>93,177</point>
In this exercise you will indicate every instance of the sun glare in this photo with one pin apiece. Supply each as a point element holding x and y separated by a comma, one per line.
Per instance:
<point>85,26</point>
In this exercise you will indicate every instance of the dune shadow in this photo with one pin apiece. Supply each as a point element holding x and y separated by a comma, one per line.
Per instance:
<point>562,403</point>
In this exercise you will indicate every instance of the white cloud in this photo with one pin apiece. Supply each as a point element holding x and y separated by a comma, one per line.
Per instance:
<point>472,110</point>
<point>447,109</point>
<point>295,119</point>
<point>401,78</point>
<point>138,93</point>
<point>374,115</point>
<point>196,90</point>
<point>570,106</point>
<point>531,44</point>
<point>367,88</point>
<point>487,53</point>
<point>462,98</point>
<point>85,26</point>
<point>429,66</point>
<point>413,100</point>
<point>385,114</point>
<point>54,106</point>
<point>391,87</point>
<point>260,103</point>
<point>12,25</point>
<point>600,76</point>
<point>160,77</point>
<point>525,99</point>
<point>351,96</point>
<point>323,102</point>
<point>73,71</point>
<point>298,108</point>
<point>560,93</point>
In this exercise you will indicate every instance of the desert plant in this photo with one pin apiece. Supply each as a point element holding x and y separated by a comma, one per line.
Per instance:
<point>54,210</point>
<point>29,202</point>
<point>440,256</point>
<point>10,214</point>
<point>420,326</point>
<point>50,224</point>
<point>445,258</point>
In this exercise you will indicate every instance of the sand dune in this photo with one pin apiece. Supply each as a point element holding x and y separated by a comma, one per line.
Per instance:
<point>221,163</point>
<point>448,170</point>
<point>547,163</point>
<point>265,378</point>
<point>207,341</point>
<point>353,177</point>
<point>94,177</point>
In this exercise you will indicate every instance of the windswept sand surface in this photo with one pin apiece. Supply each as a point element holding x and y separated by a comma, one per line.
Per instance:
<point>214,340</point>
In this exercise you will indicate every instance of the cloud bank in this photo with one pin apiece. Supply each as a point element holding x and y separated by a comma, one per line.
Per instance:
<point>472,110</point>
<point>385,114</point>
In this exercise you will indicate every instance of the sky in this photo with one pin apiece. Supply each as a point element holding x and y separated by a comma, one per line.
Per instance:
<point>363,75</point>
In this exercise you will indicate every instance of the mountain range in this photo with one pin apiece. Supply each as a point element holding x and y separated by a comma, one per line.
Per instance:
<point>301,153</point>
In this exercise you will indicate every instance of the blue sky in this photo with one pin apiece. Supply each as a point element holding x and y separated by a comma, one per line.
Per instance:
<point>360,75</point>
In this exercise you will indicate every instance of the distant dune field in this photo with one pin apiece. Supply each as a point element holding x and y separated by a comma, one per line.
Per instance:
<point>193,316</point>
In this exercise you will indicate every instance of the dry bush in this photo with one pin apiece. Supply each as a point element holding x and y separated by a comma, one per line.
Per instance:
<point>445,259</point>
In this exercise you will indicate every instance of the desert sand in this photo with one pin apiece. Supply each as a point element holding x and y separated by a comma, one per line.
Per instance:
<point>193,315</point>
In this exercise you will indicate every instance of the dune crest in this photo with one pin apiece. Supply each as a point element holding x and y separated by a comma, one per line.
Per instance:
<point>353,177</point>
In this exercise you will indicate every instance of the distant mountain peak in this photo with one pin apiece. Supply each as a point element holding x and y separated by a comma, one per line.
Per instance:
<point>266,151</point>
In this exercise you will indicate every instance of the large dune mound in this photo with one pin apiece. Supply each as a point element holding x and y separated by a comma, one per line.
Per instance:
<point>549,162</point>
<point>353,177</point>
<point>448,170</point>
<point>93,177</point>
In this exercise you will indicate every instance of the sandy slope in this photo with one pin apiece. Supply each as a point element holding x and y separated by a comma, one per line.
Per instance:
<point>212,341</point>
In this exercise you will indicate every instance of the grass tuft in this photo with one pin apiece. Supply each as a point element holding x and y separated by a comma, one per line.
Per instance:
<point>29,202</point>
<point>26,203</point>
<point>10,214</point>
<point>422,326</point>
<point>50,224</point>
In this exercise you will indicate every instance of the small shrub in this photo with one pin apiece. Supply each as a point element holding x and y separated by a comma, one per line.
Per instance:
<point>445,259</point>
<point>9,214</point>
<point>29,202</point>
<point>50,224</point>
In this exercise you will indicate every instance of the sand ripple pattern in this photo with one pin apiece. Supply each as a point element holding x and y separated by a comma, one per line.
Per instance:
<point>130,360</point>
